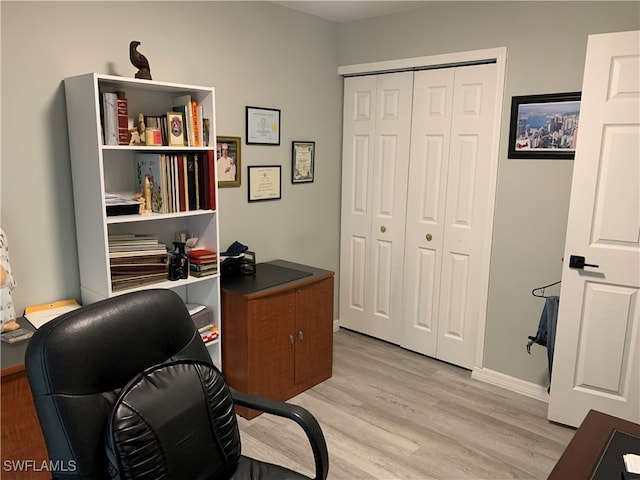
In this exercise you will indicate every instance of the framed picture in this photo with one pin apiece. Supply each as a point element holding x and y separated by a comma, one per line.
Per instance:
<point>544,126</point>
<point>228,161</point>
<point>264,182</point>
<point>302,159</point>
<point>175,129</point>
<point>262,126</point>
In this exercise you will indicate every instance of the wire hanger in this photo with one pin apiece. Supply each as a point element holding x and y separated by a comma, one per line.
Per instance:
<point>539,291</point>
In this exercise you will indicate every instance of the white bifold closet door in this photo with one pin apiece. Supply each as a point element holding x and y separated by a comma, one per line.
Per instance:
<point>416,212</point>
<point>449,214</point>
<point>375,156</point>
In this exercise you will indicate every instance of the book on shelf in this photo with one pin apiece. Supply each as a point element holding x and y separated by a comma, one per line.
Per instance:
<point>16,336</point>
<point>203,267</point>
<point>147,258</point>
<point>191,182</point>
<point>118,205</point>
<point>202,254</point>
<point>203,273</point>
<point>206,131</point>
<point>195,118</point>
<point>181,190</point>
<point>118,284</point>
<point>149,166</point>
<point>123,118</point>
<point>110,118</point>
<point>211,175</point>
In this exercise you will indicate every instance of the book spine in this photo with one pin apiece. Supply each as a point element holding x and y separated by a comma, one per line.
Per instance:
<point>123,119</point>
<point>191,182</point>
<point>198,167</point>
<point>110,120</point>
<point>196,124</point>
<point>211,167</point>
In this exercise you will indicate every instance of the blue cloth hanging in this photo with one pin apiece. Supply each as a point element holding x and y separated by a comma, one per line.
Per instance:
<point>546,335</point>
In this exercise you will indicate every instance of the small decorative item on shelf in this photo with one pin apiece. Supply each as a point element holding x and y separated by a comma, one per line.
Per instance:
<point>139,61</point>
<point>179,262</point>
<point>137,134</point>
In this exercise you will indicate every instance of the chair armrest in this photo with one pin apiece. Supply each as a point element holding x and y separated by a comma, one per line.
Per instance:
<point>299,415</point>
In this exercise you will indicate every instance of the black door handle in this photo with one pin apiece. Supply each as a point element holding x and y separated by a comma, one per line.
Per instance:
<point>576,261</point>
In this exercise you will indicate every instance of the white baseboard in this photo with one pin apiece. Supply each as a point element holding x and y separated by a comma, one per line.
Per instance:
<point>523,387</point>
<point>336,325</point>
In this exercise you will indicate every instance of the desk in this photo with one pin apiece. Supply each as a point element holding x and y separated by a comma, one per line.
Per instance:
<point>277,330</point>
<point>581,456</point>
<point>21,437</point>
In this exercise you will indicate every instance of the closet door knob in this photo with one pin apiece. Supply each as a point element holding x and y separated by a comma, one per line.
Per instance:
<point>383,229</point>
<point>291,339</point>
<point>429,237</point>
<point>300,335</point>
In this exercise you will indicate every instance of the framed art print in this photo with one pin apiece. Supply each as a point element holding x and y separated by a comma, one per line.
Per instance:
<point>544,126</point>
<point>175,129</point>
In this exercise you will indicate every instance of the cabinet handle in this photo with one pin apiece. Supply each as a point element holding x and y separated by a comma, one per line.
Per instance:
<point>300,335</point>
<point>383,229</point>
<point>291,339</point>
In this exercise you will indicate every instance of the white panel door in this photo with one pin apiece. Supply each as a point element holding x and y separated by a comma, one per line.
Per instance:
<point>377,116</point>
<point>469,214</point>
<point>596,361</point>
<point>427,187</point>
<point>449,212</point>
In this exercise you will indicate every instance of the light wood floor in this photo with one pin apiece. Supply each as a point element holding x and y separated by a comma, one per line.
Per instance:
<point>388,413</point>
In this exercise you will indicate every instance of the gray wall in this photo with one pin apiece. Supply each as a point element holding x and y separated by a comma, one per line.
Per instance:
<point>546,46</point>
<point>257,53</point>
<point>254,53</point>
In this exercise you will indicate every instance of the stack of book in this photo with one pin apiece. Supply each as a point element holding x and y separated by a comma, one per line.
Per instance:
<point>136,260</point>
<point>203,262</point>
<point>203,320</point>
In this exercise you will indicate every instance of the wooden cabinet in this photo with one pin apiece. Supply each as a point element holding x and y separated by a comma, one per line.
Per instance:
<point>99,168</point>
<point>278,340</point>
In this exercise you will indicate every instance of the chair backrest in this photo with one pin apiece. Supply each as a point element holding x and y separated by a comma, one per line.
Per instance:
<point>78,364</point>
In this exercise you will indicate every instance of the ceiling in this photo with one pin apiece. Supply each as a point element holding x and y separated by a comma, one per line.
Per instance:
<point>346,11</point>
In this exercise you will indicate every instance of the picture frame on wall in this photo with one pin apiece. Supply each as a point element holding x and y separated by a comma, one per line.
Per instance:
<point>302,161</point>
<point>264,182</point>
<point>228,161</point>
<point>262,126</point>
<point>175,129</point>
<point>544,126</point>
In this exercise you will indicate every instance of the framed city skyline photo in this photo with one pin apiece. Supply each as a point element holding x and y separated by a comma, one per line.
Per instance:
<point>544,126</point>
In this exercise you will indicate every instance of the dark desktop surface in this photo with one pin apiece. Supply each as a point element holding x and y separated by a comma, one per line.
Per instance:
<point>268,275</point>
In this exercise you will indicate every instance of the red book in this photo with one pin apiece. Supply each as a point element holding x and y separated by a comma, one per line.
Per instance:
<point>211,174</point>
<point>202,254</point>
<point>123,119</point>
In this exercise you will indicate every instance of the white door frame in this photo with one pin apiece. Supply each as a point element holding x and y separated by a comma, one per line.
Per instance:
<point>497,55</point>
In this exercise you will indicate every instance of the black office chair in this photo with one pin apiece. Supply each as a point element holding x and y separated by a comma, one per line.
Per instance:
<point>125,388</point>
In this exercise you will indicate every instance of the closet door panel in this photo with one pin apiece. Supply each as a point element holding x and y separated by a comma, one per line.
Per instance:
<point>377,116</point>
<point>430,139</point>
<point>467,220</point>
<point>355,246</point>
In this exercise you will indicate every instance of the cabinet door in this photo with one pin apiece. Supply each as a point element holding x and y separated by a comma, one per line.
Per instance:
<point>271,344</point>
<point>314,332</point>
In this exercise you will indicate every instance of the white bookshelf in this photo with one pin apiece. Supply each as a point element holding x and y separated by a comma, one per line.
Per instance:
<point>99,168</point>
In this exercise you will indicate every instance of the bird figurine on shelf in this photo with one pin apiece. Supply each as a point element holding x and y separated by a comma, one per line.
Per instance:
<point>139,61</point>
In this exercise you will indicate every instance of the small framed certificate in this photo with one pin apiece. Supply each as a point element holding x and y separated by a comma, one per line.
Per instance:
<point>264,183</point>
<point>302,155</point>
<point>262,126</point>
